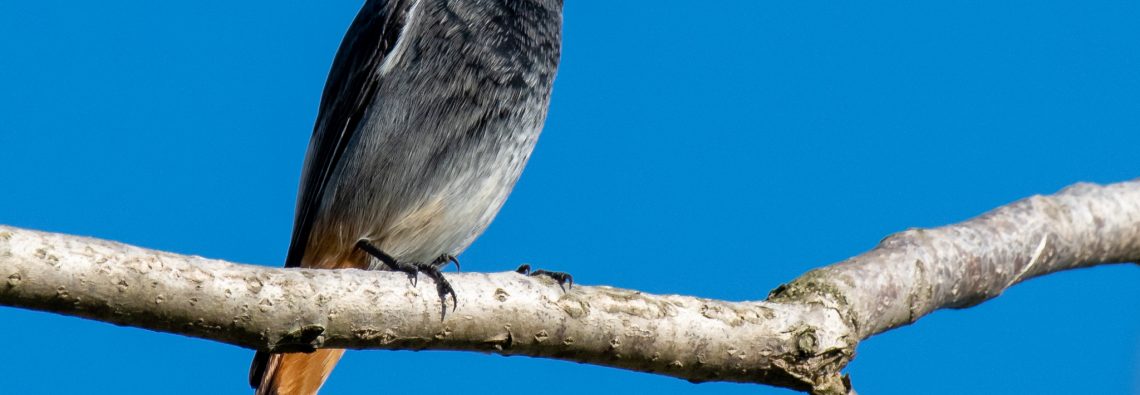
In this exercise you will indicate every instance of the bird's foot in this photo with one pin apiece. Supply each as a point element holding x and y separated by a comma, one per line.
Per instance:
<point>441,284</point>
<point>413,270</point>
<point>562,278</point>
<point>444,259</point>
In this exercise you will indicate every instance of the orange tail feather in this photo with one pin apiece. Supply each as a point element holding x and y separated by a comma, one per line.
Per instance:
<point>293,373</point>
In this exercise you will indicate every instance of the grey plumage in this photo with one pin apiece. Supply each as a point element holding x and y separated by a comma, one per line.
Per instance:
<point>428,117</point>
<point>429,114</point>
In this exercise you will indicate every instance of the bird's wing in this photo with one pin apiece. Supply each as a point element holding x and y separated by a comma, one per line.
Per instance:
<point>349,90</point>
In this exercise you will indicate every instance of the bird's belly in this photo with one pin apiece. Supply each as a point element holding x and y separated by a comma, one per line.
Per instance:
<point>454,214</point>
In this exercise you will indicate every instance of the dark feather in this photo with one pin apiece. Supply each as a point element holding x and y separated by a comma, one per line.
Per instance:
<point>257,368</point>
<point>349,90</point>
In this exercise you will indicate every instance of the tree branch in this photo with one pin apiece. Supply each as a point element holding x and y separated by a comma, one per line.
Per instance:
<point>800,338</point>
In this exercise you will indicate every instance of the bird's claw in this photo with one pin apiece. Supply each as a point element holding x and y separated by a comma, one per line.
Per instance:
<point>562,278</point>
<point>444,259</point>
<point>414,269</point>
<point>442,286</point>
<point>413,274</point>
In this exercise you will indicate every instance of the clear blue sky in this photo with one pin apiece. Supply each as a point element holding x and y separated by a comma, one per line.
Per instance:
<point>707,148</point>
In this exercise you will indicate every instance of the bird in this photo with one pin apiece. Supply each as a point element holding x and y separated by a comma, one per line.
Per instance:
<point>429,114</point>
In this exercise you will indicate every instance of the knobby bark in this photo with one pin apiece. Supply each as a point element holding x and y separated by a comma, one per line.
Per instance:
<point>800,338</point>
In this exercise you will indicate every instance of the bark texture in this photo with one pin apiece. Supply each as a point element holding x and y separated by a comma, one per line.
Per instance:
<point>800,338</point>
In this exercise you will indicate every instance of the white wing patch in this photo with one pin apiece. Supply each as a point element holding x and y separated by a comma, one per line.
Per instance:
<point>398,50</point>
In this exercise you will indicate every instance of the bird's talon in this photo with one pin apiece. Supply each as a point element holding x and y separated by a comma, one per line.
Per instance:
<point>445,259</point>
<point>563,279</point>
<point>414,269</point>
<point>442,286</point>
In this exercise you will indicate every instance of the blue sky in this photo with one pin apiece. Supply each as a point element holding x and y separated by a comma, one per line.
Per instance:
<point>705,148</point>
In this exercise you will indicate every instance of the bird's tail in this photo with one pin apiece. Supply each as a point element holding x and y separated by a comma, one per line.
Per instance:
<point>292,373</point>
